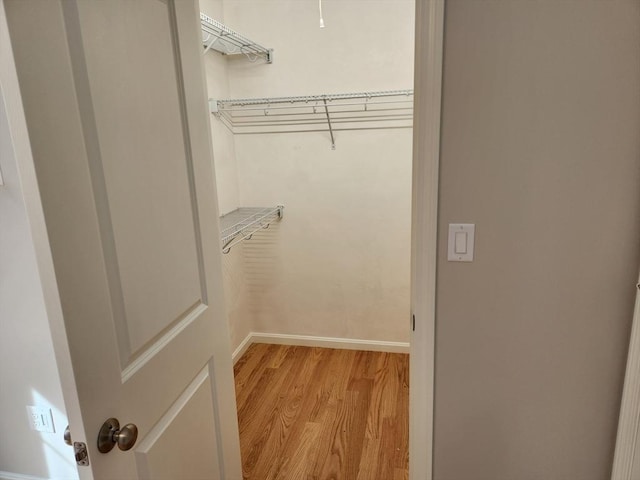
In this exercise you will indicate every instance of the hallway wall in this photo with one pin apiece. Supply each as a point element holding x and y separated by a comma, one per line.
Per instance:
<point>541,150</point>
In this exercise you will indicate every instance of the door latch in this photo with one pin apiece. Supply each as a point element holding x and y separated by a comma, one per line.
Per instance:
<point>82,456</point>
<point>79,449</point>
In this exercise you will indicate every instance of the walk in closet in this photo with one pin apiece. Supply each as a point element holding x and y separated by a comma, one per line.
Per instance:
<point>312,143</point>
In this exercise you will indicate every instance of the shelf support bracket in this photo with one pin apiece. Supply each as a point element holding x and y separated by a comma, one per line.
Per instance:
<point>326,109</point>
<point>210,42</point>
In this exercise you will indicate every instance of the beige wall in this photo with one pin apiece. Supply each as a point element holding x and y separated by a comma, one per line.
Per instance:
<point>635,474</point>
<point>338,264</point>
<point>541,150</point>
<point>28,372</point>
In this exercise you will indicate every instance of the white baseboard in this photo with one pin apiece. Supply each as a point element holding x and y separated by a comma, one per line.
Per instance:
<point>18,476</point>
<point>325,342</point>
<point>238,352</point>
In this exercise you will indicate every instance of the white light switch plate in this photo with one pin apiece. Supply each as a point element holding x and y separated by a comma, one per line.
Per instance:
<point>461,242</point>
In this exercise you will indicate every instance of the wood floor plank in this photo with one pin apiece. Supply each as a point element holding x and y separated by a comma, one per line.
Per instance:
<point>362,388</point>
<point>368,469</point>
<point>333,367</point>
<point>296,466</point>
<point>314,407</point>
<point>286,413</point>
<point>401,460</point>
<point>247,362</point>
<point>365,364</point>
<point>259,414</point>
<point>382,398</point>
<point>281,355</point>
<point>401,474</point>
<point>387,448</point>
<point>336,460</point>
<point>248,372</point>
<point>315,414</point>
<point>335,409</point>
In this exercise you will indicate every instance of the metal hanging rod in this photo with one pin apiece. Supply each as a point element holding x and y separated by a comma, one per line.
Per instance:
<point>218,37</point>
<point>243,222</point>
<point>338,112</point>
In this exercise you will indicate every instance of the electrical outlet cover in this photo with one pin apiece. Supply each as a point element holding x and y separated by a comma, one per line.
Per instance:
<point>40,419</point>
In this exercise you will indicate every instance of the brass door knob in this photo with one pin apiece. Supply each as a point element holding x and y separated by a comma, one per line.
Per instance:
<point>111,435</point>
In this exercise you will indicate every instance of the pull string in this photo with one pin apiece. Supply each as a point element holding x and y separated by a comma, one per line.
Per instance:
<point>320,9</point>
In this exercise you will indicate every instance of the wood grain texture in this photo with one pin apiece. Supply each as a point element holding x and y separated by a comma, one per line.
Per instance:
<point>319,413</point>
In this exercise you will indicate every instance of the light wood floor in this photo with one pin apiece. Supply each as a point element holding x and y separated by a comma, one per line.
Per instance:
<point>319,413</point>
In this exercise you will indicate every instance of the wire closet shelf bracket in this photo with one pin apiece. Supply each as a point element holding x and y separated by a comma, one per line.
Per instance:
<point>242,223</point>
<point>218,37</point>
<point>317,113</point>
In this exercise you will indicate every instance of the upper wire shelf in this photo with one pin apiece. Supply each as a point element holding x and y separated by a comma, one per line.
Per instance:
<point>317,113</point>
<point>218,37</point>
<point>243,222</point>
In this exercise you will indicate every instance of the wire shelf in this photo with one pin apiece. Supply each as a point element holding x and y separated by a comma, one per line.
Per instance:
<point>317,113</point>
<point>243,222</point>
<point>218,37</point>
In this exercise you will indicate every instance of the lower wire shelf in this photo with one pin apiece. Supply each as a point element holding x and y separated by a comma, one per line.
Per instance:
<point>243,222</point>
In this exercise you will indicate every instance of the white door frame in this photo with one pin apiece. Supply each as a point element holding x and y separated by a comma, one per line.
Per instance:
<point>629,423</point>
<point>424,229</point>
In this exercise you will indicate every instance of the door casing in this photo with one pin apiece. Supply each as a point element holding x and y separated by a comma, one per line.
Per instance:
<point>424,231</point>
<point>626,462</point>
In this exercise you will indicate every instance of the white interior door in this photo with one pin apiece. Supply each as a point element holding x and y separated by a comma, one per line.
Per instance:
<point>115,108</point>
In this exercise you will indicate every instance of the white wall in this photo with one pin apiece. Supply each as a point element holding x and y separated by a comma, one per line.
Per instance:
<point>338,263</point>
<point>28,372</point>
<point>235,283</point>
<point>215,65</point>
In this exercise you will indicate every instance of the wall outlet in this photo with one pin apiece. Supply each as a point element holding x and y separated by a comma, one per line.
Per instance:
<point>40,419</point>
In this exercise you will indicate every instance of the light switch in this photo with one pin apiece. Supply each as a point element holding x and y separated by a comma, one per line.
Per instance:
<point>460,245</point>
<point>461,241</point>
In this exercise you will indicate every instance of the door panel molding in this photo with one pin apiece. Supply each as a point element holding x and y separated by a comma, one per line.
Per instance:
<point>133,338</point>
<point>90,133</point>
<point>158,346</point>
<point>177,423</point>
<point>186,132</point>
